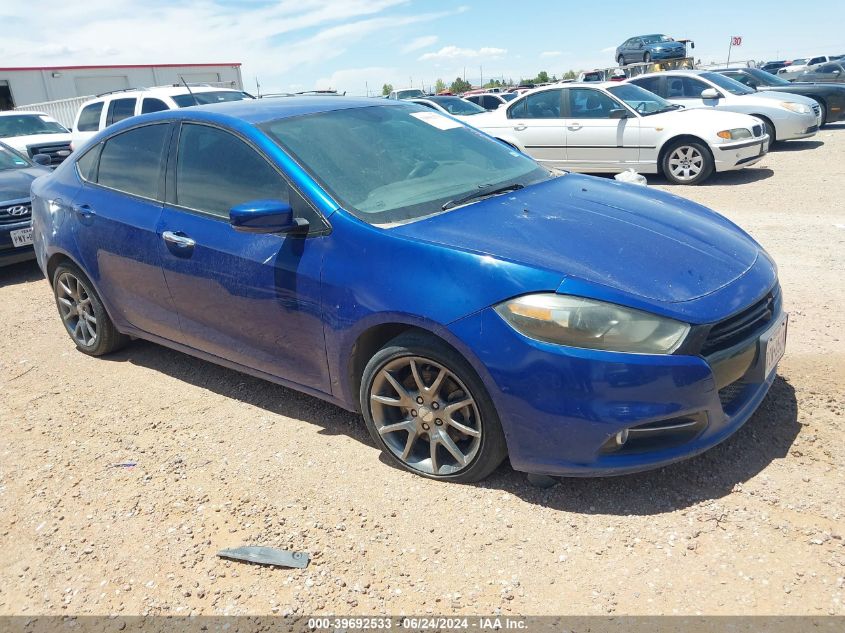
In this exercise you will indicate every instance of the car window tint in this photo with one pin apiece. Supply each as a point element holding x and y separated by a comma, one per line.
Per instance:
<point>543,105</point>
<point>89,118</point>
<point>120,109</point>
<point>684,88</point>
<point>590,104</point>
<point>87,163</point>
<point>741,78</point>
<point>153,105</point>
<point>652,84</point>
<point>131,161</point>
<point>517,110</point>
<point>216,171</point>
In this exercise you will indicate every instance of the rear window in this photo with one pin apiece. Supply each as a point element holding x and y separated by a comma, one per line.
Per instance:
<point>206,98</point>
<point>89,118</point>
<point>153,105</point>
<point>132,161</point>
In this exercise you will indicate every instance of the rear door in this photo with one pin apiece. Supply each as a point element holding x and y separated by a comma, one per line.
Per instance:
<point>253,299</point>
<point>594,141</point>
<point>116,214</point>
<point>539,126</point>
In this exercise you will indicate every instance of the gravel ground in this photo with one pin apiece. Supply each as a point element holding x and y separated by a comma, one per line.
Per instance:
<point>753,526</point>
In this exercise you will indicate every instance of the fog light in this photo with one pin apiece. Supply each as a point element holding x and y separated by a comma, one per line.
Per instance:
<point>622,437</point>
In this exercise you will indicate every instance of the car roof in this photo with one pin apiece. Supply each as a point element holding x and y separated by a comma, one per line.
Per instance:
<point>19,112</point>
<point>260,110</point>
<point>160,91</point>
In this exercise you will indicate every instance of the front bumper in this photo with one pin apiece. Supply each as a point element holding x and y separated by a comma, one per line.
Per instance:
<point>673,54</point>
<point>791,126</point>
<point>737,154</point>
<point>562,408</point>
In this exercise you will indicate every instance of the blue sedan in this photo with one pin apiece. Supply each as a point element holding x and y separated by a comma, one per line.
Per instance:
<point>646,48</point>
<point>470,303</point>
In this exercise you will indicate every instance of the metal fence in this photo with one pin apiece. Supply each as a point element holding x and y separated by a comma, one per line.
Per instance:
<point>63,110</point>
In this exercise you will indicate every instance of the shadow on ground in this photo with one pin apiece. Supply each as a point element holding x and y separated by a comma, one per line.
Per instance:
<point>738,177</point>
<point>767,436</point>
<point>21,273</point>
<point>795,146</point>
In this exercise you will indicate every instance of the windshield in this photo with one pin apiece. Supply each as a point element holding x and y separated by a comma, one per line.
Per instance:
<point>456,105</point>
<point>656,39</point>
<point>206,98</point>
<point>726,83</point>
<point>767,79</point>
<point>10,159</point>
<point>796,62</point>
<point>641,100</point>
<point>387,164</point>
<point>410,94</point>
<point>29,124</point>
<point>508,96</point>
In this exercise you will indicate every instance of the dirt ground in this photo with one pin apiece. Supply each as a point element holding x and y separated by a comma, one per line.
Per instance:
<point>753,526</point>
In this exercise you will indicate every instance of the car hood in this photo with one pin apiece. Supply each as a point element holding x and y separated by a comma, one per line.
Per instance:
<point>20,143</point>
<point>15,183</point>
<point>708,120</point>
<point>633,239</point>
<point>784,96</point>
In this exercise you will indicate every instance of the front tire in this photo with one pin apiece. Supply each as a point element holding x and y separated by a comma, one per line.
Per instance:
<point>687,163</point>
<point>83,314</point>
<point>621,60</point>
<point>647,57</point>
<point>428,410</point>
<point>822,113</point>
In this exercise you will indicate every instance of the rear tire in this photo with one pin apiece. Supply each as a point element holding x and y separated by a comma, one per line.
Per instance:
<point>687,162</point>
<point>647,57</point>
<point>83,315</point>
<point>428,411</point>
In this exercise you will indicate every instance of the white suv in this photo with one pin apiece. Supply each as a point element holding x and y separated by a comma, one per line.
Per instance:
<point>99,113</point>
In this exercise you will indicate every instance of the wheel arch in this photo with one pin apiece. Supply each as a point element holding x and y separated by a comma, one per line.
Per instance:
<point>59,257</point>
<point>670,142</point>
<point>771,125</point>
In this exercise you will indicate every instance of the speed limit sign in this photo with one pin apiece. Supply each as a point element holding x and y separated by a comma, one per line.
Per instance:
<point>736,40</point>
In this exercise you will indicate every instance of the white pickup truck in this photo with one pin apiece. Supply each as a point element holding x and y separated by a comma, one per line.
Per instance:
<point>33,133</point>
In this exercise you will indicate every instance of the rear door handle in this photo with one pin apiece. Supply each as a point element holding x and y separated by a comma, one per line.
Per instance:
<point>177,240</point>
<point>520,127</point>
<point>83,210</point>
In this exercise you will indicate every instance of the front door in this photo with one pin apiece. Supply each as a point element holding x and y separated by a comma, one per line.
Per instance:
<point>594,140</point>
<point>116,213</point>
<point>253,299</point>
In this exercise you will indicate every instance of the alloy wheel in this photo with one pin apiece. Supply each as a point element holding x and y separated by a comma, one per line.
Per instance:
<point>76,309</point>
<point>426,416</point>
<point>686,163</point>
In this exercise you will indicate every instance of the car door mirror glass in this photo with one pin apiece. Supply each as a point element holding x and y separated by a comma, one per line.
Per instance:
<point>710,93</point>
<point>265,216</point>
<point>618,113</point>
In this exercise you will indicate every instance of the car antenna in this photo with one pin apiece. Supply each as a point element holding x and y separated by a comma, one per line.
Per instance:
<point>190,92</point>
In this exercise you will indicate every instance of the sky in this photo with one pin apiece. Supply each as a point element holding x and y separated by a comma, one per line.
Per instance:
<point>359,45</point>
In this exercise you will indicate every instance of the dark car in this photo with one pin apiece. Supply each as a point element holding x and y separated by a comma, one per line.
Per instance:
<point>833,72</point>
<point>774,67</point>
<point>645,48</point>
<point>831,96</point>
<point>16,175</point>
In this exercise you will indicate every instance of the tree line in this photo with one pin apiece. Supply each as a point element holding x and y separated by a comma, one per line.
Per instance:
<point>461,85</point>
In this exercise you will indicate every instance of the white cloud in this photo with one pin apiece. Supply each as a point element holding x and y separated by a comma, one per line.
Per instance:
<point>453,52</point>
<point>609,49</point>
<point>549,54</point>
<point>419,42</point>
<point>356,80</point>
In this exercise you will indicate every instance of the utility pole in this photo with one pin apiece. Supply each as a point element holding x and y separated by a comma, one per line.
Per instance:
<point>257,87</point>
<point>367,88</point>
<point>481,70</point>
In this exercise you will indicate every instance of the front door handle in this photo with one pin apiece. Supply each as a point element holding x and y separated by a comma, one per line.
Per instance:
<point>574,127</point>
<point>520,127</point>
<point>177,240</point>
<point>83,210</point>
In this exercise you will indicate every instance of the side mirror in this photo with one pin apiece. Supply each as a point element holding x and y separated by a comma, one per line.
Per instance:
<point>266,216</point>
<point>710,93</point>
<point>618,113</point>
<point>42,159</point>
<point>837,72</point>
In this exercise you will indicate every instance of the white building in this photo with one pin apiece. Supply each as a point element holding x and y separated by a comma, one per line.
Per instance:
<point>27,86</point>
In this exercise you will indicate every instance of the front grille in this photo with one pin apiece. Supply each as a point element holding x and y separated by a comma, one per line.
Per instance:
<point>728,395</point>
<point>12,213</point>
<point>757,130</point>
<point>742,325</point>
<point>816,109</point>
<point>811,129</point>
<point>56,151</point>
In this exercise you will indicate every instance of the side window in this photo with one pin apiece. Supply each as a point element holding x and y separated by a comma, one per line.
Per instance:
<point>120,109</point>
<point>89,118</point>
<point>742,78</point>
<point>153,105</point>
<point>141,148</point>
<point>474,98</point>
<point>827,69</point>
<point>543,105</point>
<point>816,60</point>
<point>590,104</point>
<point>517,110</point>
<point>490,103</point>
<point>216,171</point>
<point>652,84</point>
<point>684,88</point>
<point>86,165</point>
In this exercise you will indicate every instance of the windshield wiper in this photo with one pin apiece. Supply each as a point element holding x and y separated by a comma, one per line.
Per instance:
<point>484,191</point>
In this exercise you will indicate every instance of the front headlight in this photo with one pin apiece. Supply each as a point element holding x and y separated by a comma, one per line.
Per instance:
<point>800,108</point>
<point>735,134</point>
<point>591,324</point>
